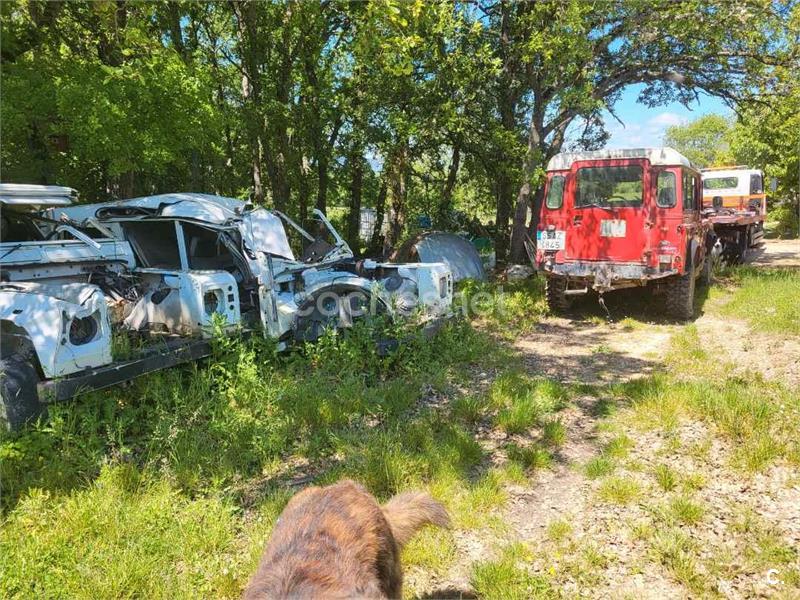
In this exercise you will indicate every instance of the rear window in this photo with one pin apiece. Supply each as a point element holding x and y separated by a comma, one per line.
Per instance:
<point>610,186</point>
<point>555,193</point>
<point>720,183</point>
<point>756,184</point>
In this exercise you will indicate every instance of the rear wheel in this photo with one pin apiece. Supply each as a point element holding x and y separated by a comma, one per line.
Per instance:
<point>706,275</point>
<point>19,399</point>
<point>679,297</point>
<point>555,289</point>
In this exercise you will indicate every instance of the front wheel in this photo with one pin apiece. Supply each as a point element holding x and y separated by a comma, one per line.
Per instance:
<point>555,290</point>
<point>19,398</point>
<point>679,297</point>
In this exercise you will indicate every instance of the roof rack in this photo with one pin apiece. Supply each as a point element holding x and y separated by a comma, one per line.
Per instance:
<point>729,168</point>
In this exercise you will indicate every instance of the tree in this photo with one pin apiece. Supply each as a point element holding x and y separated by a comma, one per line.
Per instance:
<point>580,56</point>
<point>705,141</point>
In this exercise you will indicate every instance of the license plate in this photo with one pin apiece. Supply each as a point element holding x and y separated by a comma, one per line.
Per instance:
<point>551,240</point>
<point>612,228</point>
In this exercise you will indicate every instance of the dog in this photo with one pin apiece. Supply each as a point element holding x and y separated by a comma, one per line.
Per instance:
<point>338,542</point>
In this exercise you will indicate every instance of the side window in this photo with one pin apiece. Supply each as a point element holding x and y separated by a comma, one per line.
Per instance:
<point>555,193</point>
<point>756,184</point>
<point>154,242</point>
<point>688,191</point>
<point>666,189</point>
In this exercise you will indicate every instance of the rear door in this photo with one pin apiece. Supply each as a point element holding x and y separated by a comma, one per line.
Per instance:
<point>608,206</point>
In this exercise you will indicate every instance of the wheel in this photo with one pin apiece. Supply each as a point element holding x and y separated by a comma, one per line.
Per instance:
<point>706,276</point>
<point>744,245</point>
<point>555,291</point>
<point>20,399</point>
<point>679,297</point>
<point>335,308</point>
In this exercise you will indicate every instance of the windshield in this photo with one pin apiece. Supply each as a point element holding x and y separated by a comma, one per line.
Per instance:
<point>720,183</point>
<point>610,186</point>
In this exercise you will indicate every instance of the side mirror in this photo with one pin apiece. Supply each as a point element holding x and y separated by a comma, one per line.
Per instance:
<point>773,184</point>
<point>716,202</point>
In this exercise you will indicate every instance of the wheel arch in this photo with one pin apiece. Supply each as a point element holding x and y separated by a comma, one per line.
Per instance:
<point>15,340</point>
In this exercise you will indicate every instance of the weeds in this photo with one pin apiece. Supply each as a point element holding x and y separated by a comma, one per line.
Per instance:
<point>619,490</point>
<point>666,477</point>
<point>529,457</point>
<point>507,578</point>
<point>597,467</point>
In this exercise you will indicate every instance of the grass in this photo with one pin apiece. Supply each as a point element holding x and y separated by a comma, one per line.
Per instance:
<point>685,511</point>
<point>766,298</point>
<point>554,434</point>
<point>599,466</point>
<point>619,490</point>
<point>531,457</point>
<point>507,578</point>
<point>522,402</point>
<point>559,531</point>
<point>170,485</point>
<point>676,551</point>
<point>666,477</point>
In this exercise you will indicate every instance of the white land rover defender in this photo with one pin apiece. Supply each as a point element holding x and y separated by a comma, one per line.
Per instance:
<point>161,269</point>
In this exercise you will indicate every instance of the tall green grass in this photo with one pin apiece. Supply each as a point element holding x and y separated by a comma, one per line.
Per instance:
<point>767,298</point>
<point>169,486</point>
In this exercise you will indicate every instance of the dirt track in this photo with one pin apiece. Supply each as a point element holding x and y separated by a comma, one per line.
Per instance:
<point>593,350</point>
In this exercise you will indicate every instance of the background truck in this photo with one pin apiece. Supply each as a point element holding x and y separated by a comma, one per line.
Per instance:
<point>615,219</point>
<point>155,273</point>
<point>735,203</point>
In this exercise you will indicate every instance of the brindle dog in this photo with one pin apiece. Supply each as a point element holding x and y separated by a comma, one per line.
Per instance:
<point>338,542</point>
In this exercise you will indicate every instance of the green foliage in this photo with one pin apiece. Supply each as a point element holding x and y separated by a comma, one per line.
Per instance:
<point>704,141</point>
<point>289,99</point>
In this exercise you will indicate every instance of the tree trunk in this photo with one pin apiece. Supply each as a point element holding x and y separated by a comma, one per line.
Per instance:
<point>302,197</point>
<point>446,205</point>
<point>322,179</point>
<point>398,198</point>
<point>531,162</point>
<point>375,243</point>
<point>246,31</point>
<point>507,97</point>
<point>356,189</point>
<point>502,215</point>
<point>279,172</point>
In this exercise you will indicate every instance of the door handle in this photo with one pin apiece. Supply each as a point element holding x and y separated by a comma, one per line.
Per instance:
<point>577,220</point>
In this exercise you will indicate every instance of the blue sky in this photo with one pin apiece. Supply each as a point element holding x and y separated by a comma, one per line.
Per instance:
<point>646,126</point>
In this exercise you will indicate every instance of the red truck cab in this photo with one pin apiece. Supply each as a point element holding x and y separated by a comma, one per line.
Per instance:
<point>614,219</point>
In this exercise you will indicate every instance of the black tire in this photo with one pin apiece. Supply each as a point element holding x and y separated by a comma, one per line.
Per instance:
<point>706,276</point>
<point>555,291</point>
<point>20,399</point>
<point>679,297</point>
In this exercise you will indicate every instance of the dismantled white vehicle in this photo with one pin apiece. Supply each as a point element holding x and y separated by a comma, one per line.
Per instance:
<point>74,278</point>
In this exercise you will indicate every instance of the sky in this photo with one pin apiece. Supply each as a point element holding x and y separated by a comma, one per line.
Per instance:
<point>646,126</point>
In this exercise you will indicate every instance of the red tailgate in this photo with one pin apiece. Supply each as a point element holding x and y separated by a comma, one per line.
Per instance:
<point>606,207</point>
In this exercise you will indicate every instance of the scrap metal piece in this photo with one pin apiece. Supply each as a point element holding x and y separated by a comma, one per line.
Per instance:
<point>457,252</point>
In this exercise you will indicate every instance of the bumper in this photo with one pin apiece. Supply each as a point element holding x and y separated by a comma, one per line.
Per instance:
<point>606,276</point>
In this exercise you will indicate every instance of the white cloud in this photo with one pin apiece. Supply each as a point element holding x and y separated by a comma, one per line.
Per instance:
<point>649,133</point>
<point>666,119</point>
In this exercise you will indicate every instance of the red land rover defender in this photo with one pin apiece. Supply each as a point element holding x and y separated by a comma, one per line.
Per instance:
<point>614,219</point>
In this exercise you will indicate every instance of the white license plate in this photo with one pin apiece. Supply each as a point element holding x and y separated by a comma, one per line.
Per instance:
<point>551,240</point>
<point>612,228</point>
